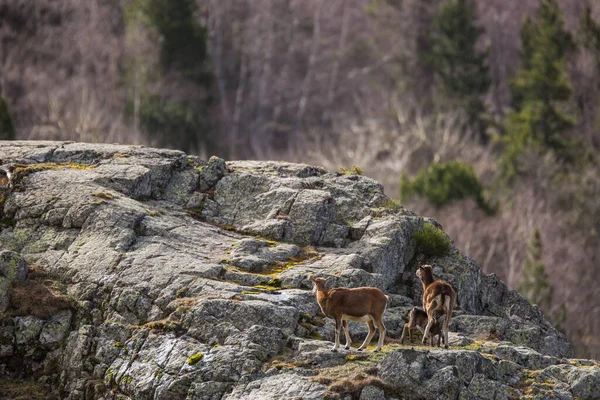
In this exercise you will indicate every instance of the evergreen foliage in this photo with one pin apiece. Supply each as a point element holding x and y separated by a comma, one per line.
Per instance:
<point>534,279</point>
<point>534,284</point>
<point>183,40</point>
<point>431,241</point>
<point>539,88</point>
<point>7,129</point>
<point>178,120</point>
<point>589,35</point>
<point>461,69</point>
<point>176,123</point>
<point>441,183</point>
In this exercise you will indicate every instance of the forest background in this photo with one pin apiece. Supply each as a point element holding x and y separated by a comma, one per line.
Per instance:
<point>483,114</point>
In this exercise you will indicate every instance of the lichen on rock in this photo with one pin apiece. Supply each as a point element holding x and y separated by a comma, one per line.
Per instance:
<point>12,268</point>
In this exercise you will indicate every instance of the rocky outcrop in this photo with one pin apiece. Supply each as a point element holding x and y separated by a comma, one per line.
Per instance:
<point>188,279</point>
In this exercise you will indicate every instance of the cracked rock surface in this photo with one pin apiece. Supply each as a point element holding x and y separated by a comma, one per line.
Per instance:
<point>178,278</point>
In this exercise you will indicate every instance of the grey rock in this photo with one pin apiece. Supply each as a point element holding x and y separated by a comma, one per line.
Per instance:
<point>524,356</point>
<point>318,354</point>
<point>180,186</point>
<point>27,330</point>
<point>586,384</point>
<point>217,319</point>
<point>12,268</point>
<point>482,388</point>
<point>7,338</point>
<point>55,329</point>
<point>421,374</point>
<point>372,393</point>
<point>386,246</point>
<point>283,386</point>
<point>212,172</point>
<point>541,338</point>
<point>256,255</point>
<point>583,381</point>
<point>209,390</point>
<point>269,338</point>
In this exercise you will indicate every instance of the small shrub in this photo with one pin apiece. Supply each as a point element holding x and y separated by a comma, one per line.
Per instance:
<point>315,335</point>
<point>38,296</point>
<point>441,183</point>
<point>389,204</point>
<point>355,170</point>
<point>431,241</point>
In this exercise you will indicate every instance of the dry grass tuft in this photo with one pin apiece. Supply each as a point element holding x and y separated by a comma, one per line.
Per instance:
<point>306,253</point>
<point>349,379</point>
<point>38,296</point>
<point>104,195</point>
<point>355,170</point>
<point>352,385</point>
<point>22,390</point>
<point>163,325</point>
<point>185,302</point>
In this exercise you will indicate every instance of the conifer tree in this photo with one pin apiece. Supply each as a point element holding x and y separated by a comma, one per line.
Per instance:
<point>588,38</point>
<point>589,35</point>
<point>461,69</point>
<point>535,286</point>
<point>174,118</point>
<point>7,130</point>
<point>539,88</point>
<point>534,279</point>
<point>183,40</point>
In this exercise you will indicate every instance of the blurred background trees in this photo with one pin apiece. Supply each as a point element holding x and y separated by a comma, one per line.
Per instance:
<point>7,130</point>
<point>483,114</point>
<point>169,86</point>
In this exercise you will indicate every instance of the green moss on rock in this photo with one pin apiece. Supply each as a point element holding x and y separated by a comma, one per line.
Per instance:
<point>193,359</point>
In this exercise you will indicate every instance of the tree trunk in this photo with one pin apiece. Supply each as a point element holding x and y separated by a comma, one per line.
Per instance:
<point>312,60</point>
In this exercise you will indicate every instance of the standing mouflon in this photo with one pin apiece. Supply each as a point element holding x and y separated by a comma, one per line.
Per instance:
<point>365,304</point>
<point>438,296</point>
